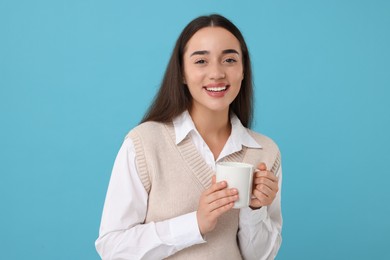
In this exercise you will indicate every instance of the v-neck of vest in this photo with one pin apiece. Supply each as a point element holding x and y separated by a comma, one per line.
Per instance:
<point>201,170</point>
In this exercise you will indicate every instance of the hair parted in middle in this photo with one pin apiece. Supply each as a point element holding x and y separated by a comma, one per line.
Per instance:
<point>173,97</point>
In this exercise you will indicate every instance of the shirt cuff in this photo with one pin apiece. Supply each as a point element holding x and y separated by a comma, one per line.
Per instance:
<point>253,217</point>
<point>181,231</point>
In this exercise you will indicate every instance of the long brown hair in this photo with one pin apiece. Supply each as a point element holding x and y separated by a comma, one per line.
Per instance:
<point>173,97</point>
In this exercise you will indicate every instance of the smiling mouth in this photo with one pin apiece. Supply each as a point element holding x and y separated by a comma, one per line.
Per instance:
<point>217,89</point>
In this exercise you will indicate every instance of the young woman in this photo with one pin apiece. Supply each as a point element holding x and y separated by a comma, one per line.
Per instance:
<point>162,200</point>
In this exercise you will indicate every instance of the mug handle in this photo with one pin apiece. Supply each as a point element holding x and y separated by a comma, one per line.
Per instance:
<point>251,183</point>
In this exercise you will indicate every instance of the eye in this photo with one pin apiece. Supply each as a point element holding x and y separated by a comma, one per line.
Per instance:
<point>230,60</point>
<point>200,61</point>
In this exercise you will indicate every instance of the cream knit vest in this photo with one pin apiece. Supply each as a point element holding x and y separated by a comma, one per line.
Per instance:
<point>175,176</point>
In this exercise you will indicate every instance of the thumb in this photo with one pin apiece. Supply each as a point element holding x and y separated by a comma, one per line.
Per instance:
<point>262,167</point>
<point>213,179</point>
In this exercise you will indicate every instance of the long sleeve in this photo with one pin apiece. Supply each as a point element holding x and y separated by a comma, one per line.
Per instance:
<point>122,234</point>
<point>260,230</point>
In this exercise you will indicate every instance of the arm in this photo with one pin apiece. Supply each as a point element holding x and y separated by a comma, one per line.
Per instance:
<point>122,233</point>
<point>260,229</point>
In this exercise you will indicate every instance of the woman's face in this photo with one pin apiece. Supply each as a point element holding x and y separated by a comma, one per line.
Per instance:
<point>213,69</point>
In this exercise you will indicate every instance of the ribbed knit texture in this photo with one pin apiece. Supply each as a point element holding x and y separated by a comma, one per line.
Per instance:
<point>175,176</point>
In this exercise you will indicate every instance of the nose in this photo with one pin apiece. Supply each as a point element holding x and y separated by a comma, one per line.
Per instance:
<point>216,72</point>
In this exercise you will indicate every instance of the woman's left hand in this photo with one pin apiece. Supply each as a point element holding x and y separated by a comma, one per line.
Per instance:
<point>265,187</point>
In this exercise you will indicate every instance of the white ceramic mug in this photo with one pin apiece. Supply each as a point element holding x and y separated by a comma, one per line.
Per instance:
<point>239,176</point>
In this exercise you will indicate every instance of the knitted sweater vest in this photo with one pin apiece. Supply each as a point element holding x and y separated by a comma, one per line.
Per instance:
<point>174,177</point>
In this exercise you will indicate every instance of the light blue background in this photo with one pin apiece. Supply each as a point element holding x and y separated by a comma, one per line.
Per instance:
<point>75,76</point>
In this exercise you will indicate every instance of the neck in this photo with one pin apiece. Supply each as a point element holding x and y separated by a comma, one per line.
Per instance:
<point>214,127</point>
<point>211,123</point>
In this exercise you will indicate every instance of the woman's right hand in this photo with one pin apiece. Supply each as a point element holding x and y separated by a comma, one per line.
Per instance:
<point>214,202</point>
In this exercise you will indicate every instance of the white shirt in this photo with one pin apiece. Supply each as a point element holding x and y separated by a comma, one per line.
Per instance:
<point>123,235</point>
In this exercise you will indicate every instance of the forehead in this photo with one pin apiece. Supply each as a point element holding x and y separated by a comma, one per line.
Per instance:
<point>213,39</point>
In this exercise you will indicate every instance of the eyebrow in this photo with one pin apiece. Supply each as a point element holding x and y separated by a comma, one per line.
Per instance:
<point>207,52</point>
<point>199,53</point>
<point>230,51</point>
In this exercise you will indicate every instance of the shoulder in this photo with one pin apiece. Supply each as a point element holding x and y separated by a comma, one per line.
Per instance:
<point>149,128</point>
<point>269,152</point>
<point>263,140</point>
<point>151,135</point>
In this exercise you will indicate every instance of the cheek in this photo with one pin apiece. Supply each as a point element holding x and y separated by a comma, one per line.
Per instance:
<point>238,77</point>
<point>193,76</point>
<point>236,74</point>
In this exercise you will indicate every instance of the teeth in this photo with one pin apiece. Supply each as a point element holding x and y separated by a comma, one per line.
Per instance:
<point>217,89</point>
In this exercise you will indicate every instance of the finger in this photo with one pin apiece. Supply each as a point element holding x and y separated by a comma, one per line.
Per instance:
<point>263,199</point>
<point>267,174</point>
<point>265,181</point>
<point>220,194</point>
<point>213,179</point>
<point>265,196</point>
<point>215,187</point>
<point>265,190</point>
<point>222,202</point>
<point>221,210</point>
<point>266,187</point>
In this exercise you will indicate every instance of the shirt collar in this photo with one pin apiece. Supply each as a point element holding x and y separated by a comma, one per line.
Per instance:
<point>183,126</point>
<point>239,137</point>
